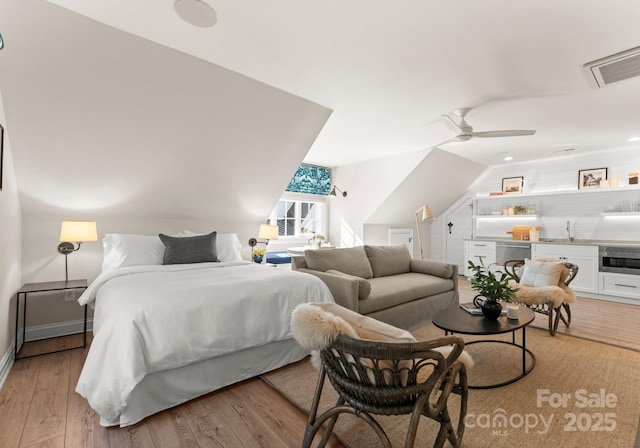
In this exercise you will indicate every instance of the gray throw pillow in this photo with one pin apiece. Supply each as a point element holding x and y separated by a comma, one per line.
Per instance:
<point>389,260</point>
<point>189,249</point>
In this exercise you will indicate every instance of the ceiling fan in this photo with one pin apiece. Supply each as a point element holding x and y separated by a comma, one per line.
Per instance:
<point>465,132</point>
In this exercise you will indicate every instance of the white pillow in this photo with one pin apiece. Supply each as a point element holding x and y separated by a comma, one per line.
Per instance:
<point>122,250</point>
<point>228,245</point>
<point>541,273</point>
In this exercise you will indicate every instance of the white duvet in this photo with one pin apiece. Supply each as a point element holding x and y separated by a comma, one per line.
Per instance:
<point>153,318</point>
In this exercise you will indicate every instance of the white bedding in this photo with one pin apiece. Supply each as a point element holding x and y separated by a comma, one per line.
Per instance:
<point>153,318</point>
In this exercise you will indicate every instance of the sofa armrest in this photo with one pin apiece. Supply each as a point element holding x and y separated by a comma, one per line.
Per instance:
<point>343,289</point>
<point>436,268</point>
<point>298,262</point>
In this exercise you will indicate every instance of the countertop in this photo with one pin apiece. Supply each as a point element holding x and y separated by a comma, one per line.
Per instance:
<point>577,242</point>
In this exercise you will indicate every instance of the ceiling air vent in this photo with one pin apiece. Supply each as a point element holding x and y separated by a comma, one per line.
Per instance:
<point>614,68</point>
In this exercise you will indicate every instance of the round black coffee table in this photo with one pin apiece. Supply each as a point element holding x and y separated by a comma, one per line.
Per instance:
<point>456,320</point>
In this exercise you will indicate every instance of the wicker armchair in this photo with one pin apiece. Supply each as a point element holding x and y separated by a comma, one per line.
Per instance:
<point>391,378</point>
<point>552,301</point>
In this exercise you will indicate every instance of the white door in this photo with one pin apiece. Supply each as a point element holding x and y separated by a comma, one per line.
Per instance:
<point>402,236</point>
<point>458,226</point>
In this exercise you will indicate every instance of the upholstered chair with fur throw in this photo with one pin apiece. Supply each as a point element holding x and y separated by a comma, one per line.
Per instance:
<point>378,369</point>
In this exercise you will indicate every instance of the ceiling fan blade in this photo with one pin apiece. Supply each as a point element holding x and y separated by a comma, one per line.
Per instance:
<point>512,133</point>
<point>439,144</point>
<point>451,124</point>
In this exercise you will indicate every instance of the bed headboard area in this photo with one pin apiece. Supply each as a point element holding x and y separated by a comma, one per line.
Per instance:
<point>124,250</point>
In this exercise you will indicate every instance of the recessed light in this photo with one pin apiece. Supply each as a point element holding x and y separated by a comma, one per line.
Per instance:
<point>508,158</point>
<point>196,12</point>
<point>633,139</point>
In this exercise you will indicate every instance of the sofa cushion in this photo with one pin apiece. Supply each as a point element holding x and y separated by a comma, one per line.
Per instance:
<point>390,291</point>
<point>350,260</point>
<point>432,267</point>
<point>388,260</point>
<point>364,287</point>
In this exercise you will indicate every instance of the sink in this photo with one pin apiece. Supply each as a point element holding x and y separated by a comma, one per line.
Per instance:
<point>564,240</point>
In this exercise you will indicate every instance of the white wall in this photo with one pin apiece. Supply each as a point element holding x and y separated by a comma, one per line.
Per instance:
<point>582,209</point>
<point>10,244</point>
<point>386,193</point>
<point>138,137</point>
<point>368,185</point>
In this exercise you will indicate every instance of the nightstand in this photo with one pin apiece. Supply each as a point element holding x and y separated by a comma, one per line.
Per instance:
<point>46,287</point>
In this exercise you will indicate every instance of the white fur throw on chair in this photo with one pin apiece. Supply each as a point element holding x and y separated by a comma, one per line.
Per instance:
<point>316,326</point>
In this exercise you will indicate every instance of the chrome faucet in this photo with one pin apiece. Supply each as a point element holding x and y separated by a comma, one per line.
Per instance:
<point>569,237</point>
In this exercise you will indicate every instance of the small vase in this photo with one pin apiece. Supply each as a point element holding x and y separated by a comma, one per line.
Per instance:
<point>491,309</point>
<point>257,258</point>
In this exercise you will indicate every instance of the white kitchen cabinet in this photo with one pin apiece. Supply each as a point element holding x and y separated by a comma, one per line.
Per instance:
<point>620,285</point>
<point>480,252</point>
<point>586,257</point>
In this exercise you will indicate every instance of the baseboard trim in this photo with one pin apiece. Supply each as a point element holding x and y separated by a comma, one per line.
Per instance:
<point>56,330</point>
<point>5,364</point>
<point>40,332</point>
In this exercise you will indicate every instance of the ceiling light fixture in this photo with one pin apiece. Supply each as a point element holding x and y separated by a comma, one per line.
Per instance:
<point>507,158</point>
<point>196,12</point>
<point>633,139</point>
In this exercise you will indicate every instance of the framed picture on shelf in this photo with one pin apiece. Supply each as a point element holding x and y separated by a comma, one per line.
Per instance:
<point>590,179</point>
<point>512,185</point>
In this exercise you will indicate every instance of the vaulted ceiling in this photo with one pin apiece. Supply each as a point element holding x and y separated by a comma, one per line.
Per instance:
<point>390,69</point>
<point>128,98</point>
<point>103,121</point>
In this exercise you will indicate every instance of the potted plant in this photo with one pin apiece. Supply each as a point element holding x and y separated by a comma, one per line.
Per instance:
<point>258,254</point>
<point>492,287</point>
<point>319,239</point>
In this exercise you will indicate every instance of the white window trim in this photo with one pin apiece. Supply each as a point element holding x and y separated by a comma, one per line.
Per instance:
<point>287,196</point>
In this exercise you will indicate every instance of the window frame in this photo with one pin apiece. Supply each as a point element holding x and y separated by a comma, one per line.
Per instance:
<point>298,198</point>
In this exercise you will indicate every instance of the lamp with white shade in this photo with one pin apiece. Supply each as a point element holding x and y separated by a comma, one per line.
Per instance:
<point>425,211</point>
<point>267,232</point>
<point>72,233</point>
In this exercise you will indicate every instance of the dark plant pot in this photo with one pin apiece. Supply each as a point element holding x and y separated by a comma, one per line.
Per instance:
<point>490,308</point>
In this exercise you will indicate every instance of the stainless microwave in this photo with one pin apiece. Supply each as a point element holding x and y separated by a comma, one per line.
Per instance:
<point>623,260</point>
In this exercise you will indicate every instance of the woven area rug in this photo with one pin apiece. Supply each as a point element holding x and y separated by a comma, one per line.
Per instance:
<point>580,393</point>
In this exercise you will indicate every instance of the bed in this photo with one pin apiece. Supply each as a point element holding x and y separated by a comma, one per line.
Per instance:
<point>165,333</point>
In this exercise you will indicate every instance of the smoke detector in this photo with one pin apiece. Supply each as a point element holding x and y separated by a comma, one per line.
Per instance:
<point>614,68</point>
<point>196,12</point>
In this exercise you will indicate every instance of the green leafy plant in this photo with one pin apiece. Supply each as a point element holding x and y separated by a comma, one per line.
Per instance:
<point>519,210</point>
<point>493,287</point>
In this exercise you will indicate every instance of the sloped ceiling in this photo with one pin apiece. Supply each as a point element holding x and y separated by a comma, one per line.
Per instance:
<point>101,120</point>
<point>390,69</point>
<point>437,181</point>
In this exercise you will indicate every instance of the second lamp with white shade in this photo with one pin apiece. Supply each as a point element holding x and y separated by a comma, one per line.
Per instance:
<point>426,215</point>
<point>72,233</point>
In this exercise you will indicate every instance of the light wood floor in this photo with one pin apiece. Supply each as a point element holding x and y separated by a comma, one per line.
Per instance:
<point>39,407</point>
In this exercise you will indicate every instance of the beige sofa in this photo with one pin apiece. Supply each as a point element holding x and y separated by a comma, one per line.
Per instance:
<point>384,282</point>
